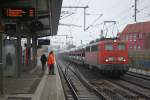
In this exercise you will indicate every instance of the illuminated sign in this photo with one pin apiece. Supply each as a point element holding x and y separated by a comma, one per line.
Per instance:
<point>18,12</point>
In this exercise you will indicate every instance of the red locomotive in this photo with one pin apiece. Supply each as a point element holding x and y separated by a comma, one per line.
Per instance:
<point>110,56</point>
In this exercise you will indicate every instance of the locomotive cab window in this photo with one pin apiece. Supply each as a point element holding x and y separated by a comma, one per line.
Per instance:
<point>94,48</point>
<point>121,46</point>
<point>109,46</point>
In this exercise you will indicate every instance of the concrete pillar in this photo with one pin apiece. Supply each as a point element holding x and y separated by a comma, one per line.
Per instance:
<point>19,56</point>
<point>34,43</point>
<point>1,63</point>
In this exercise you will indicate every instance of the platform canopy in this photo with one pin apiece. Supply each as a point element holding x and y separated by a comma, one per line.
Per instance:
<point>47,15</point>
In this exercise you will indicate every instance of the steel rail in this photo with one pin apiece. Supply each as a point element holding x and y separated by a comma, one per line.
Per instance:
<point>70,85</point>
<point>137,81</point>
<point>143,94</point>
<point>88,85</point>
<point>145,77</point>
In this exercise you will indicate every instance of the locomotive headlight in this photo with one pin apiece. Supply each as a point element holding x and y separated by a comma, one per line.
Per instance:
<point>109,59</point>
<point>124,60</point>
<point>121,59</point>
<point>106,60</point>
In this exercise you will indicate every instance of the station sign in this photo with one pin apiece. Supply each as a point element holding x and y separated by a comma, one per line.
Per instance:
<point>18,12</point>
<point>43,42</point>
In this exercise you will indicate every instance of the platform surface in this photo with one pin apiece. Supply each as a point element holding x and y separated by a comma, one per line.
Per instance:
<point>35,86</point>
<point>53,88</point>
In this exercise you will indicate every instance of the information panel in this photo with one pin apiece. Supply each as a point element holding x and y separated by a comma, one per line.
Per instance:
<point>43,42</point>
<point>18,12</point>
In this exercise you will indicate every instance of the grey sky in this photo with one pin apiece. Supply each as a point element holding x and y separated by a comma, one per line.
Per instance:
<point>121,11</point>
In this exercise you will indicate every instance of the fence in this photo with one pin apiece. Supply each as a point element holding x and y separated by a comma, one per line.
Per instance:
<point>140,58</point>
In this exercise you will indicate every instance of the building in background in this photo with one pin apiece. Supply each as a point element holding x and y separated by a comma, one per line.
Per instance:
<point>137,35</point>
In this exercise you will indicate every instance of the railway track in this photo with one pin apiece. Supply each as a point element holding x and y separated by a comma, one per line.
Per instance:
<point>122,89</point>
<point>141,93</point>
<point>114,91</point>
<point>139,80</point>
<point>75,90</point>
<point>131,86</point>
<point>107,90</point>
<point>88,85</point>
<point>141,76</point>
<point>111,91</point>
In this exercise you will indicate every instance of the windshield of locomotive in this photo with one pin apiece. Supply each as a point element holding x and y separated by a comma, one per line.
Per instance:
<point>109,46</point>
<point>121,46</point>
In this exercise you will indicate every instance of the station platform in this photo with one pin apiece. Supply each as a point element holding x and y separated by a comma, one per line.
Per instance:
<point>36,85</point>
<point>53,88</point>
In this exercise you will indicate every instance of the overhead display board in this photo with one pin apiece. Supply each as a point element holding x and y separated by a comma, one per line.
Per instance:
<point>18,12</point>
<point>43,42</point>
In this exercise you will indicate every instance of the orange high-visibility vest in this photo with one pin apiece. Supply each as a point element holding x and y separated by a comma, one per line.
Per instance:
<point>50,59</point>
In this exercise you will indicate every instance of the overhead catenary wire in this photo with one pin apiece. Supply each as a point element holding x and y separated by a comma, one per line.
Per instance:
<point>127,15</point>
<point>94,21</point>
<point>127,11</point>
<point>90,1</point>
<point>113,6</point>
<point>66,16</point>
<point>78,3</point>
<point>123,17</point>
<point>123,12</point>
<point>81,13</point>
<point>145,7</point>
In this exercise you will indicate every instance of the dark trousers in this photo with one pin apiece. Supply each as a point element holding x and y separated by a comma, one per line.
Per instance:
<point>51,69</point>
<point>43,66</point>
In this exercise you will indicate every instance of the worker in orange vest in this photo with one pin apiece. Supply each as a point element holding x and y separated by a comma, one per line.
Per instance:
<point>50,62</point>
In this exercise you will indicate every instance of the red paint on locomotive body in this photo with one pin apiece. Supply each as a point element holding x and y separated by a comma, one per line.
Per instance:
<point>114,56</point>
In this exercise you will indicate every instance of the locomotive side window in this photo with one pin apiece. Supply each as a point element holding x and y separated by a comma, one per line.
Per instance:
<point>94,48</point>
<point>88,49</point>
<point>108,46</point>
<point>121,46</point>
